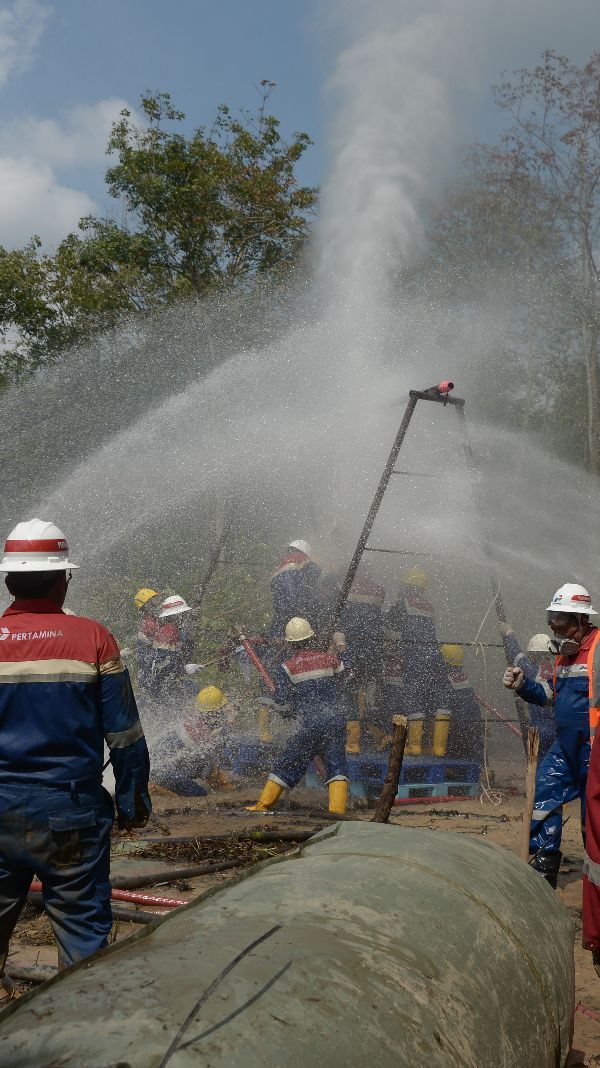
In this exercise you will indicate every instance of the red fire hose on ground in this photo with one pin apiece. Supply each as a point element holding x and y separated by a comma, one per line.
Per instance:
<point>129,895</point>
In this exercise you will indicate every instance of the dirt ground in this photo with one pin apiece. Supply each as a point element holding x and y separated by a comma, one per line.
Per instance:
<point>496,816</point>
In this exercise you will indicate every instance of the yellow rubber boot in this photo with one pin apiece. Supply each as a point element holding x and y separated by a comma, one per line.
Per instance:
<point>271,792</point>
<point>441,729</point>
<point>353,736</point>
<point>338,796</point>
<point>264,734</point>
<point>414,742</point>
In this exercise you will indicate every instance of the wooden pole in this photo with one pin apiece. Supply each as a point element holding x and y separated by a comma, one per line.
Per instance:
<point>532,745</point>
<point>392,778</point>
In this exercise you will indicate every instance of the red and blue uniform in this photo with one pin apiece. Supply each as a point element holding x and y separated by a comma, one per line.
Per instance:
<point>64,692</point>
<point>562,774</point>
<point>308,687</point>
<point>392,699</point>
<point>362,625</point>
<point>411,622</point>
<point>169,652</point>
<point>465,740</point>
<point>294,589</point>
<point>181,756</point>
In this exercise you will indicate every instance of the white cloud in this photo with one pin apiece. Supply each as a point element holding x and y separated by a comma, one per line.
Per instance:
<point>21,27</point>
<point>33,201</point>
<point>78,138</point>
<point>34,197</point>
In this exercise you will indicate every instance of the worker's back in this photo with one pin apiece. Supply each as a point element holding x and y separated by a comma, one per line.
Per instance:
<point>58,672</point>
<point>313,681</point>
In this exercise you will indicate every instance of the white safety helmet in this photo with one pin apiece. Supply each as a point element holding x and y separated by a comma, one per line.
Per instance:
<point>301,545</point>
<point>572,598</point>
<point>173,606</point>
<point>298,629</point>
<point>36,546</point>
<point>538,644</point>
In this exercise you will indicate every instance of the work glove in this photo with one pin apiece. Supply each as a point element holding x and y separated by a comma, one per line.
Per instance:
<point>513,678</point>
<point>191,669</point>
<point>142,815</point>
<point>504,628</point>
<point>339,641</point>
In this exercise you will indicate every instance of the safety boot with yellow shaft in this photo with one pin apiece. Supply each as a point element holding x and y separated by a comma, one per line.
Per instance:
<point>353,736</point>
<point>264,734</point>
<point>271,792</point>
<point>338,796</point>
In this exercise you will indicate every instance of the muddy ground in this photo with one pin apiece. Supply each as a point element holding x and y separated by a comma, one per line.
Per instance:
<point>496,816</point>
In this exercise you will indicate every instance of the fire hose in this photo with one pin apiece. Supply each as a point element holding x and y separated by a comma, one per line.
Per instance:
<point>152,900</point>
<point>254,658</point>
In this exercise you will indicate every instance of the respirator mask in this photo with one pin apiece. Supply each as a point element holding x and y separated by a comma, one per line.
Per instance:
<point>563,646</point>
<point>559,646</point>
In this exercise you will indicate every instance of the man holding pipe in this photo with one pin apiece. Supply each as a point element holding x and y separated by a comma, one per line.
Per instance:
<point>574,690</point>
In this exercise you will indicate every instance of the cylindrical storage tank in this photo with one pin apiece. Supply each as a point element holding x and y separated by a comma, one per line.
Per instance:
<point>374,945</point>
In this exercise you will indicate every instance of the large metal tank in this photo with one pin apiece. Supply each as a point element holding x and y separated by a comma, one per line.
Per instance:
<point>374,945</point>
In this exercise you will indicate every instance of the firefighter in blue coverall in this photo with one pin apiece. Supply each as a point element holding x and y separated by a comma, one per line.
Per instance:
<point>410,621</point>
<point>148,602</point>
<point>307,684</point>
<point>196,747</point>
<point>64,693</point>
<point>562,774</point>
<point>294,585</point>
<point>362,625</point>
<point>537,665</point>
<point>465,740</point>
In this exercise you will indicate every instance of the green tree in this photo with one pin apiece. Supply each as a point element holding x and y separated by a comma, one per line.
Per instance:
<point>220,207</point>
<point>216,207</point>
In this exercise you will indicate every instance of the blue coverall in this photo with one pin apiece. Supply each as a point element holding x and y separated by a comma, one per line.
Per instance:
<point>411,621</point>
<point>294,589</point>
<point>562,774</point>
<point>307,684</point>
<point>63,692</point>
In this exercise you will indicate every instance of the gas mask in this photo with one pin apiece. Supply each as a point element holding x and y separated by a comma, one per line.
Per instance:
<point>558,645</point>
<point>563,646</point>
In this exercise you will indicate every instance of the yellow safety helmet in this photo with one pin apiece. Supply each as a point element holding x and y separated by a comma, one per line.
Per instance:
<point>143,596</point>
<point>415,576</point>
<point>298,630</point>
<point>453,654</point>
<point>211,699</point>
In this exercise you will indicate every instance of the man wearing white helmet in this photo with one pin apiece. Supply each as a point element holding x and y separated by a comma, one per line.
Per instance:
<point>562,774</point>
<point>308,684</point>
<point>293,586</point>
<point>171,650</point>
<point>537,663</point>
<point>64,693</point>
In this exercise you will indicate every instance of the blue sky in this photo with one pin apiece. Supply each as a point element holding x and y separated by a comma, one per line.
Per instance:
<point>66,68</point>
